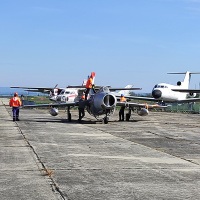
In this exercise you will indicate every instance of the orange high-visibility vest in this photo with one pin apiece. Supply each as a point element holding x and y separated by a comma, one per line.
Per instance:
<point>89,83</point>
<point>123,99</point>
<point>15,102</point>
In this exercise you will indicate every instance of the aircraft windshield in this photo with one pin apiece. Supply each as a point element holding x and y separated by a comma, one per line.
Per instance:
<point>160,86</point>
<point>104,89</point>
<point>64,92</point>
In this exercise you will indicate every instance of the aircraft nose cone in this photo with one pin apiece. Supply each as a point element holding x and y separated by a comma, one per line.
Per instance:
<point>156,94</point>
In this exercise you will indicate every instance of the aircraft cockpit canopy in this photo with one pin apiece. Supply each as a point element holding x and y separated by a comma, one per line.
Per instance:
<point>104,89</point>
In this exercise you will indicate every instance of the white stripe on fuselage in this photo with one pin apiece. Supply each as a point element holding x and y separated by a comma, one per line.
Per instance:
<point>66,95</point>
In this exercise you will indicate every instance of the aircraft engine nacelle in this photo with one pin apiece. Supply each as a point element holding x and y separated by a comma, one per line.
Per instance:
<point>191,94</point>
<point>143,112</point>
<point>102,102</point>
<point>109,101</point>
<point>53,111</point>
<point>179,83</point>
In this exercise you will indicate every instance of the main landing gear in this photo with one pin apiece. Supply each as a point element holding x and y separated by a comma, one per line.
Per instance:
<point>128,115</point>
<point>69,116</point>
<point>106,118</point>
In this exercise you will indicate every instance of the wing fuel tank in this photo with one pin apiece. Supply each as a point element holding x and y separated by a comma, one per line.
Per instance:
<point>53,111</point>
<point>143,112</point>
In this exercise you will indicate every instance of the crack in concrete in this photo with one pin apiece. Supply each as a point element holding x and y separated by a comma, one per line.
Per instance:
<point>53,184</point>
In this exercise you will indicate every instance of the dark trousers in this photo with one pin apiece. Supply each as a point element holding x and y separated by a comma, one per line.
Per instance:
<point>15,113</point>
<point>81,113</point>
<point>121,113</point>
<point>87,92</point>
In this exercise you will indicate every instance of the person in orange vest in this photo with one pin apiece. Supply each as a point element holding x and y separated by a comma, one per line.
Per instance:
<point>89,84</point>
<point>15,103</point>
<point>121,112</point>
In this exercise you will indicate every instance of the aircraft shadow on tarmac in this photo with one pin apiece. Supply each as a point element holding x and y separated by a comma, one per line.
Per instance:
<point>67,122</point>
<point>48,120</point>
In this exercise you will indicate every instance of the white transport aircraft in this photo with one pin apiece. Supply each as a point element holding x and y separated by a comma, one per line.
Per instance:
<point>167,93</point>
<point>55,94</point>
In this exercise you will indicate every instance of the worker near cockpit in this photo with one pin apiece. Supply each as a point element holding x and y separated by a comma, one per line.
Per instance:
<point>121,111</point>
<point>15,103</point>
<point>89,84</point>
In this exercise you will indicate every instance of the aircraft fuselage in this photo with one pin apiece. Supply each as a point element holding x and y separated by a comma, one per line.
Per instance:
<point>163,92</point>
<point>65,96</point>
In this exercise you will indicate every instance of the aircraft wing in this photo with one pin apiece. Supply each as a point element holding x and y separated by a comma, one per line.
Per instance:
<point>156,100</point>
<point>51,105</point>
<point>114,89</point>
<point>76,86</point>
<point>189,100</point>
<point>187,90</point>
<point>98,87</point>
<point>140,105</point>
<point>140,98</point>
<point>38,89</point>
<point>82,87</point>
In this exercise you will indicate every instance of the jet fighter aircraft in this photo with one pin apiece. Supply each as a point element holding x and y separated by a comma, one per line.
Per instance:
<point>101,105</point>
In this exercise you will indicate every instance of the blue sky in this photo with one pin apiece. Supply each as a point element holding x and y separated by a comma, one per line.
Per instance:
<point>45,42</point>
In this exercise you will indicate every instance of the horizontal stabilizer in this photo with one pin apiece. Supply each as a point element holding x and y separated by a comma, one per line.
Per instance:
<point>114,89</point>
<point>183,73</point>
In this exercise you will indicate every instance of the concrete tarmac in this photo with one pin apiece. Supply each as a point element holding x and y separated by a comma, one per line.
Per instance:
<point>153,157</point>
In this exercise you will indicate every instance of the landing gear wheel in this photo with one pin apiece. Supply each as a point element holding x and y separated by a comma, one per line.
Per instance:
<point>127,117</point>
<point>105,120</point>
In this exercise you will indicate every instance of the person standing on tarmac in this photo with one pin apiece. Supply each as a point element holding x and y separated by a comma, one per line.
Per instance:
<point>15,103</point>
<point>121,112</point>
<point>89,84</point>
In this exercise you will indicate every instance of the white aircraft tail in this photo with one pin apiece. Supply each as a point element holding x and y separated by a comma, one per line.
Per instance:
<point>125,92</point>
<point>186,81</point>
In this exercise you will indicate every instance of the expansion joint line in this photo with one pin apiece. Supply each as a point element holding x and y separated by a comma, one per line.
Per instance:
<point>53,185</point>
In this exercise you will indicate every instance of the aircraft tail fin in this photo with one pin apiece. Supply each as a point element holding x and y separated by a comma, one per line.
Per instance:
<point>55,86</point>
<point>125,92</point>
<point>186,81</point>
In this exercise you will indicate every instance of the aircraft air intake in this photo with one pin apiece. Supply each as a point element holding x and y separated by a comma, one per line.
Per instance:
<point>143,112</point>
<point>109,101</point>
